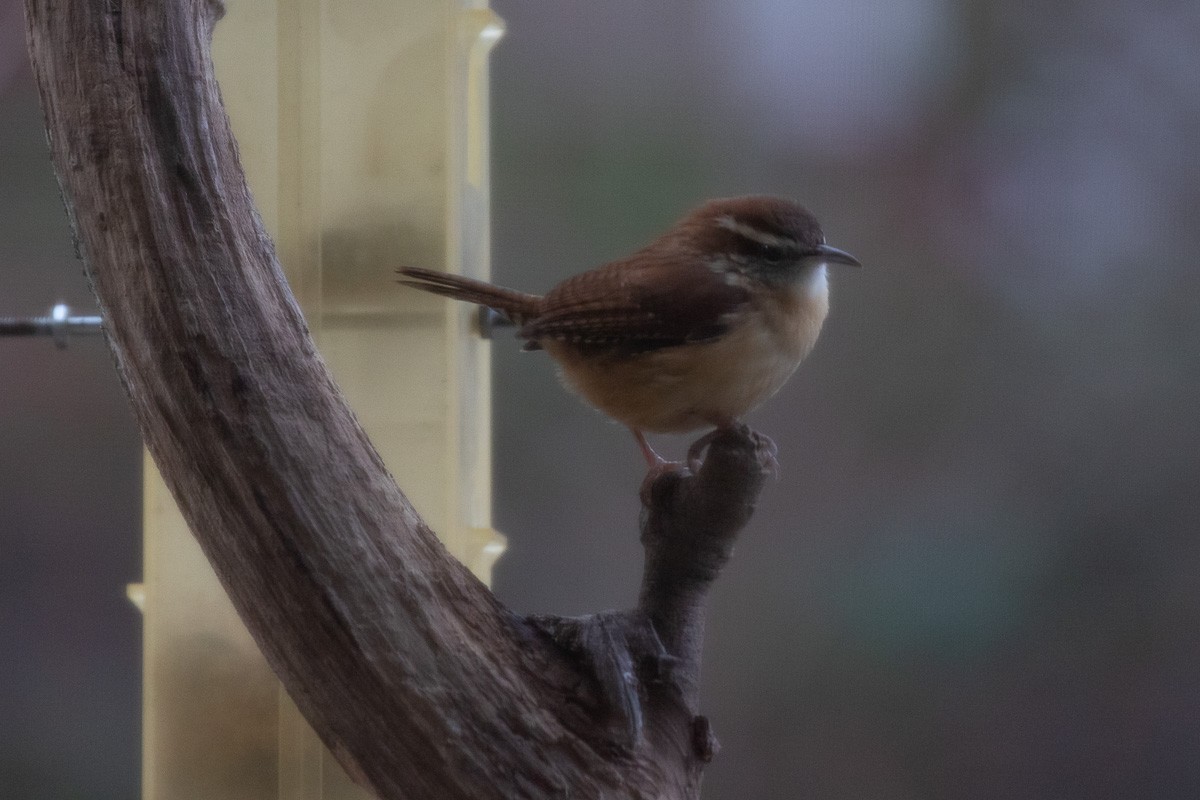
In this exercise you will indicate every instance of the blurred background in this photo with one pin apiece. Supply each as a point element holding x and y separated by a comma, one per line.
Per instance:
<point>977,575</point>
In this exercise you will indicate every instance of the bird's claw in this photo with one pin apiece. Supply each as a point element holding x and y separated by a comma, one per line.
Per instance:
<point>767,453</point>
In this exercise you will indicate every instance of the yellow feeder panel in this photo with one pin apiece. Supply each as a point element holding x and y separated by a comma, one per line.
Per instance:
<point>363,130</point>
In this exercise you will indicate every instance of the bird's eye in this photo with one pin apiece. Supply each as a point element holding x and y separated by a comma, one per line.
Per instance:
<point>772,254</point>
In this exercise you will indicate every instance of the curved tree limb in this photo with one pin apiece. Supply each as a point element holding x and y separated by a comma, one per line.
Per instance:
<point>420,682</point>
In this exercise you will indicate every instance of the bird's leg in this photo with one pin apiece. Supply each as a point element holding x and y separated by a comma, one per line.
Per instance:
<point>765,448</point>
<point>656,464</point>
<point>654,461</point>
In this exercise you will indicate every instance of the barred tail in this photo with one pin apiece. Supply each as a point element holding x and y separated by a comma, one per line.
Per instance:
<point>517,306</point>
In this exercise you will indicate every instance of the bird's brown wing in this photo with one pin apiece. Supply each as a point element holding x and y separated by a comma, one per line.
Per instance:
<point>646,302</point>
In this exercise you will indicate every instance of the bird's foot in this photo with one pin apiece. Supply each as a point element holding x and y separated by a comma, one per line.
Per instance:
<point>767,452</point>
<point>694,459</point>
<point>656,471</point>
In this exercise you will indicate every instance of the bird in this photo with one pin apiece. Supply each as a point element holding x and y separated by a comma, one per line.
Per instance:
<point>695,330</point>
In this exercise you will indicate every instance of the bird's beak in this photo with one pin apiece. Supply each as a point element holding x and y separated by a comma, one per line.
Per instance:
<point>831,255</point>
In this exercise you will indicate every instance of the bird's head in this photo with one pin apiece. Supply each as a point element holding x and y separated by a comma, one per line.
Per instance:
<point>762,239</point>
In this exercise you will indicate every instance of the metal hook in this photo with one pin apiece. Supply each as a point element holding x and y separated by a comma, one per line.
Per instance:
<point>59,324</point>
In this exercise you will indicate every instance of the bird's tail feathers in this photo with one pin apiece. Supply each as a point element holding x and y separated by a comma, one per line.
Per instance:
<point>517,306</point>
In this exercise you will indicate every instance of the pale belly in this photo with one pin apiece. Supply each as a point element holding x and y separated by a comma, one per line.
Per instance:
<point>680,389</point>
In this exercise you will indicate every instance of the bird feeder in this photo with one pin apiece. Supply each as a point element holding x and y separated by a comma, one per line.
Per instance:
<point>363,131</point>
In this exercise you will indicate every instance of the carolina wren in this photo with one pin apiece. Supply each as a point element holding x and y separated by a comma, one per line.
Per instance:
<point>694,330</point>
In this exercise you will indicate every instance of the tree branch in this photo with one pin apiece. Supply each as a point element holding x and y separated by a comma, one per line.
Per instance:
<point>418,680</point>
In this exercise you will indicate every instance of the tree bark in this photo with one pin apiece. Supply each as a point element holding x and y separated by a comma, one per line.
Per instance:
<point>418,680</point>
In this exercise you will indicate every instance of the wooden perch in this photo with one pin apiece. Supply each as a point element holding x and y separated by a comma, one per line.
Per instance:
<point>419,681</point>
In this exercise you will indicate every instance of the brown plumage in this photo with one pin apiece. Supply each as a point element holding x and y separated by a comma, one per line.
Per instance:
<point>695,329</point>
<point>517,306</point>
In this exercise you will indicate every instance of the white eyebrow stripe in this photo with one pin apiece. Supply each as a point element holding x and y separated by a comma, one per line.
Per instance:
<point>754,234</point>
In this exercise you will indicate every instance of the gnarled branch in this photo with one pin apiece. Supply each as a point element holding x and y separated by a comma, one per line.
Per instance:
<point>420,682</point>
